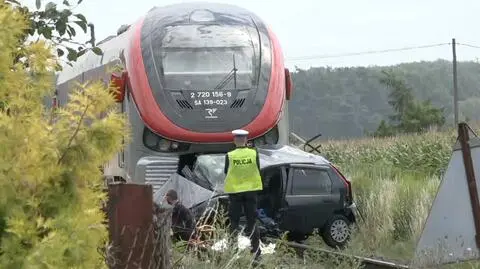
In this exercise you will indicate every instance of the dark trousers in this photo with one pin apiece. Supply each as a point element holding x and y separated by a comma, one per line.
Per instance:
<point>182,234</point>
<point>247,201</point>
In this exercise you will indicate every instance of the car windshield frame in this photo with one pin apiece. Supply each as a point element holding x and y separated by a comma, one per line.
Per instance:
<point>210,168</point>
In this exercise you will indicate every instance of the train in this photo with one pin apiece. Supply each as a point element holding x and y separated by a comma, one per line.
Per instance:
<point>189,74</point>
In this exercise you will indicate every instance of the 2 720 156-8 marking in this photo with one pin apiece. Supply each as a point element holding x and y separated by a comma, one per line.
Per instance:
<point>207,94</point>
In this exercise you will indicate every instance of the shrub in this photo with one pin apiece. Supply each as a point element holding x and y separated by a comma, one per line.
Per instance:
<point>50,182</point>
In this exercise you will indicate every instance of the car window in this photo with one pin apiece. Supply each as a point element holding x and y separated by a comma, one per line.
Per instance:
<point>210,168</point>
<point>272,178</point>
<point>311,182</point>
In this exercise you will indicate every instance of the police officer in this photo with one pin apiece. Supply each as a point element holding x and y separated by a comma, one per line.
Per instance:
<point>242,182</point>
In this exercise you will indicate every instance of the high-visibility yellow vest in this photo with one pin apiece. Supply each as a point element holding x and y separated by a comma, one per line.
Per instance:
<point>243,174</point>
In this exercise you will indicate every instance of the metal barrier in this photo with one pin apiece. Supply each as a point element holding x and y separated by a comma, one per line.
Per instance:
<point>312,147</point>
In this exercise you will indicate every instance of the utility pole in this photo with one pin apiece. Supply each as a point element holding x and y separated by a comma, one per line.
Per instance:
<point>455,85</point>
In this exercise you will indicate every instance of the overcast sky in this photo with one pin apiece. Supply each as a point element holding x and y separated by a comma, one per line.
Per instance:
<point>308,28</point>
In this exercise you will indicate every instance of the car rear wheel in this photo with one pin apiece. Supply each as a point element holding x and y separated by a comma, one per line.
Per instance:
<point>336,232</point>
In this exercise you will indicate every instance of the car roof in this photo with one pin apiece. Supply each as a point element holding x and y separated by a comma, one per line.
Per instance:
<point>275,156</point>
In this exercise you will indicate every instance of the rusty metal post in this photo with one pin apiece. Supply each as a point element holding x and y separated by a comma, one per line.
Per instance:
<point>130,219</point>
<point>470,174</point>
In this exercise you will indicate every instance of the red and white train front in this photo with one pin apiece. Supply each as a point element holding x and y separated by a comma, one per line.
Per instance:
<point>196,72</point>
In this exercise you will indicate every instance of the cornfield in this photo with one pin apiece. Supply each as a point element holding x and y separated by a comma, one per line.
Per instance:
<point>426,153</point>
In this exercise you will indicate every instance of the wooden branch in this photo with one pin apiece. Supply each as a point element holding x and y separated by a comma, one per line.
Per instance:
<point>74,133</point>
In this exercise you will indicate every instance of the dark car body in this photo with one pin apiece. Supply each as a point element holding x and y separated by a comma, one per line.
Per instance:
<point>302,192</point>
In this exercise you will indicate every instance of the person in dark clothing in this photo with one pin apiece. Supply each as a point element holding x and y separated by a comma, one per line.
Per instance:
<point>183,222</point>
<point>242,182</point>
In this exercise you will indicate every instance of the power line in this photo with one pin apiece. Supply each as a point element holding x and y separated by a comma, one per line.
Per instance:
<point>468,45</point>
<point>363,53</point>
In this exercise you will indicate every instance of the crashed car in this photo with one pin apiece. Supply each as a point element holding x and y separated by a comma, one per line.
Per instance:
<point>302,193</point>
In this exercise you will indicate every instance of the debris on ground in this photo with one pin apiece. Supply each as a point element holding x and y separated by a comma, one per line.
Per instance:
<point>243,243</point>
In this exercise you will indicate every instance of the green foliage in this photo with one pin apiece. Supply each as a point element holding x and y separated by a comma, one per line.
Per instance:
<point>349,102</point>
<point>51,188</point>
<point>59,25</point>
<point>384,130</point>
<point>411,116</point>
<point>401,96</point>
<point>422,116</point>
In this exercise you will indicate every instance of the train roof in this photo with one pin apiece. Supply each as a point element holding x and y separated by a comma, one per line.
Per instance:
<point>113,44</point>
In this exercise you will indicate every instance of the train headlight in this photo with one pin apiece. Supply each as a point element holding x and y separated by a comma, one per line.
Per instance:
<point>158,143</point>
<point>163,144</point>
<point>174,145</point>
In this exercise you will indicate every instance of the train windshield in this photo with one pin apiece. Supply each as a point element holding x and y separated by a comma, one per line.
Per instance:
<point>203,57</point>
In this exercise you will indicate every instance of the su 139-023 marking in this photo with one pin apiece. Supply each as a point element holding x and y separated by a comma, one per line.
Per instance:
<point>210,102</point>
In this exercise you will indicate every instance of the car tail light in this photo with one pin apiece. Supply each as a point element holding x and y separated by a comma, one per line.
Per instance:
<point>349,198</point>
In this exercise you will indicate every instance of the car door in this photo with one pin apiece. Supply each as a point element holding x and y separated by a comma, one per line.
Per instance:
<point>310,198</point>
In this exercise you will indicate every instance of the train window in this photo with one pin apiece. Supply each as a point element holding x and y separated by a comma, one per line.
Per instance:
<point>204,57</point>
<point>209,60</point>
<point>208,68</point>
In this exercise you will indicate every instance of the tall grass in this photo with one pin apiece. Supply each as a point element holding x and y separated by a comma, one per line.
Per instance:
<point>394,182</point>
<point>393,208</point>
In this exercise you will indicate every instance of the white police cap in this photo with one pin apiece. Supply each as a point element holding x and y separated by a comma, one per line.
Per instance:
<point>240,132</point>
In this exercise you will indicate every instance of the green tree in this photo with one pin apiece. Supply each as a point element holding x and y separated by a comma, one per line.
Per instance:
<point>421,116</point>
<point>51,187</point>
<point>58,25</point>
<point>401,97</point>
<point>411,115</point>
<point>384,129</point>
